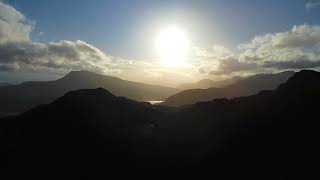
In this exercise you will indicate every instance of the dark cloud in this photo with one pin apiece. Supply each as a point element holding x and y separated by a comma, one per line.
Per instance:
<point>296,64</point>
<point>8,67</point>
<point>232,64</point>
<point>62,54</point>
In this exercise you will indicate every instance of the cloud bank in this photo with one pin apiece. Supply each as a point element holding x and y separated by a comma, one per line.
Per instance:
<point>298,48</point>
<point>19,52</point>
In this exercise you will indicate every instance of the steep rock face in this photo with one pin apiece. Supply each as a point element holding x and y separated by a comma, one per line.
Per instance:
<point>19,98</point>
<point>248,86</point>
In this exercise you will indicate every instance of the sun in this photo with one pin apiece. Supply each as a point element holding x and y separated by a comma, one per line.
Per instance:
<point>172,45</point>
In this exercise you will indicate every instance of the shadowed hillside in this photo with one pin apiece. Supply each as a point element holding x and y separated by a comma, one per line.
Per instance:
<point>208,83</point>
<point>19,98</point>
<point>271,135</point>
<point>4,84</point>
<point>247,86</point>
<point>89,129</point>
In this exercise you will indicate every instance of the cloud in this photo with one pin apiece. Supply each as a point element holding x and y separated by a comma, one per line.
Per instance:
<point>297,48</point>
<point>215,51</point>
<point>19,52</point>
<point>299,36</point>
<point>232,64</point>
<point>14,26</point>
<point>67,55</point>
<point>312,4</point>
<point>296,64</point>
<point>8,67</point>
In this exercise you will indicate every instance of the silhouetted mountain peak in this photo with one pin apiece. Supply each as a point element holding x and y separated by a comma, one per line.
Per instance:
<point>304,79</point>
<point>305,76</point>
<point>86,92</point>
<point>87,96</point>
<point>80,72</point>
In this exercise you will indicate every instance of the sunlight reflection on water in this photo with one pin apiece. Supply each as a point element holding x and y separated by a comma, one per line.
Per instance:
<point>154,102</point>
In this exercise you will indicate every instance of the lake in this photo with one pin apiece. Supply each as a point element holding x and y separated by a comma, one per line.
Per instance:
<point>154,102</point>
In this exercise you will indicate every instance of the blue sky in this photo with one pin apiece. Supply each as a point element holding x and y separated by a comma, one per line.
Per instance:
<point>125,28</point>
<point>46,39</point>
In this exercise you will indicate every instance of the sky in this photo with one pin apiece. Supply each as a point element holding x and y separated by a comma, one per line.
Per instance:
<point>44,40</point>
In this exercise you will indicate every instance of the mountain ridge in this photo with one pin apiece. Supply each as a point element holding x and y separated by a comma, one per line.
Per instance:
<point>5,84</point>
<point>94,132</point>
<point>21,97</point>
<point>208,83</point>
<point>245,87</point>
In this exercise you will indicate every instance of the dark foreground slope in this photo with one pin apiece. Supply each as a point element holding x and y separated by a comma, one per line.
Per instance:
<point>271,135</point>
<point>22,97</point>
<point>82,132</point>
<point>245,87</point>
<point>4,84</point>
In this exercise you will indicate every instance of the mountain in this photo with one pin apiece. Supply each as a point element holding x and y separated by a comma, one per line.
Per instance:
<point>244,87</point>
<point>208,83</point>
<point>89,128</point>
<point>4,84</point>
<point>270,135</point>
<point>19,98</point>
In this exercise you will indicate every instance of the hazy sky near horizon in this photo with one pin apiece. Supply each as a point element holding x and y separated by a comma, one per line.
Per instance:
<point>42,40</point>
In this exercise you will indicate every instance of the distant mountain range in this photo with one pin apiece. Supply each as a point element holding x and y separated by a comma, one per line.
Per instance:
<point>21,97</point>
<point>244,87</point>
<point>4,84</point>
<point>271,135</point>
<point>208,83</point>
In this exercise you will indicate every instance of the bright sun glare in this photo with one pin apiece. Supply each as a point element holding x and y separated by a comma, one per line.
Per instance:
<point>172,45</point>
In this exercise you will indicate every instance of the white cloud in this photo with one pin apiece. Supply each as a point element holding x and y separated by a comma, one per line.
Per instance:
<point>312,4</point>
<point>298,48</point>
<point>299,36</point>
<point>19,52</point>
<point>14,26</point>
<point>215,51</point>
<point>299,45</point>
<point>67,55</point>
